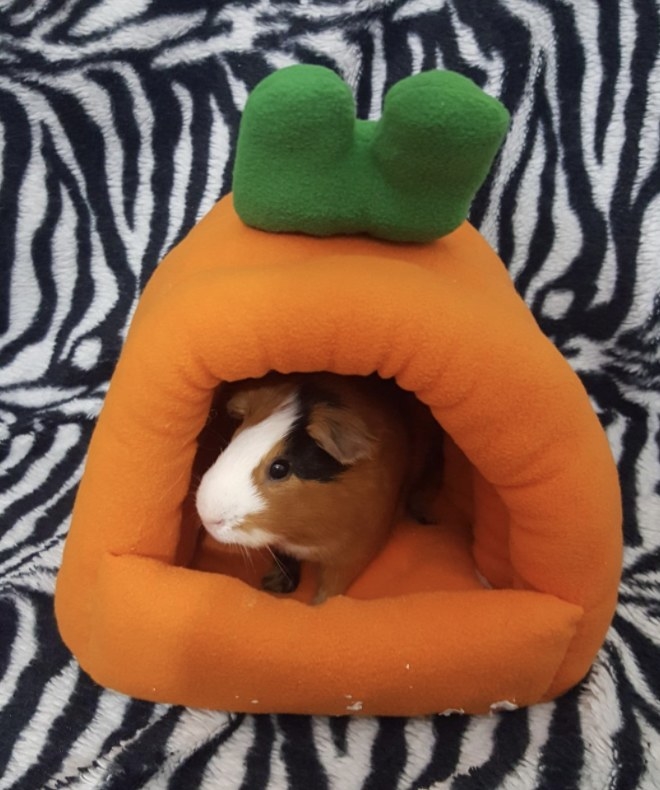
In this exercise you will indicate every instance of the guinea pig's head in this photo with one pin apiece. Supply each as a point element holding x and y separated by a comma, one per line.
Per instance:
<point>281,467</point>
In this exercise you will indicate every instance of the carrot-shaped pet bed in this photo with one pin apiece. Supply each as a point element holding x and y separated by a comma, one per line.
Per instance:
<point>344,248</point>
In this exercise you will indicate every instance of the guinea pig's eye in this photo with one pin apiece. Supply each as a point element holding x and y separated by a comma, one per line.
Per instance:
<point>279,469</point>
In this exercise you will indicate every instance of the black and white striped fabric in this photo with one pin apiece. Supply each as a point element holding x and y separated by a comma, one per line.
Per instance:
<point>117,127</point>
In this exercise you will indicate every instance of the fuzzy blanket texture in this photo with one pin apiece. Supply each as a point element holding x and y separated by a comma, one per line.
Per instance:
<point>118,123</point>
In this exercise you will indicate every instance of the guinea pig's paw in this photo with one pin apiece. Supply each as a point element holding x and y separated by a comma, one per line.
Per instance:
<point>320,597</point>
<point>283,577</point>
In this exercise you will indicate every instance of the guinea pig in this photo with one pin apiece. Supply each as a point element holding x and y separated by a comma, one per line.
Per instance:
<point>318,468</point>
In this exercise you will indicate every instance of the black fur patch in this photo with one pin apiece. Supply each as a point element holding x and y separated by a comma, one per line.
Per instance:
<point>308,460</point>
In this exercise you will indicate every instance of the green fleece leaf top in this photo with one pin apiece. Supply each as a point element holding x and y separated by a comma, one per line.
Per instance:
<point>305,164</point>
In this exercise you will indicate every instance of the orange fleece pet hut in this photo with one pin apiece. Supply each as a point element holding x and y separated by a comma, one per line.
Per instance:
<point>505,601</point>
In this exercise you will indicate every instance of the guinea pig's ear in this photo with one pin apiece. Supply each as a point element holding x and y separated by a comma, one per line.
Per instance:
<point>237,405</point>
<point>340,433</point>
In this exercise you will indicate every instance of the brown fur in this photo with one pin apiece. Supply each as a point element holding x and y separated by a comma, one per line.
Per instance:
<point>257,399</point>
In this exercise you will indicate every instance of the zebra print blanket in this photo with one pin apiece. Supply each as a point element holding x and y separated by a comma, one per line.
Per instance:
<point>117,126</point>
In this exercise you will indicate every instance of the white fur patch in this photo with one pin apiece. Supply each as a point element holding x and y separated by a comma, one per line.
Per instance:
<point>227,494</point>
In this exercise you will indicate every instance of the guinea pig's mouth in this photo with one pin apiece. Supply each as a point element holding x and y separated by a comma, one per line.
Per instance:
<point>220,529</point>
<point>229,531</point>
